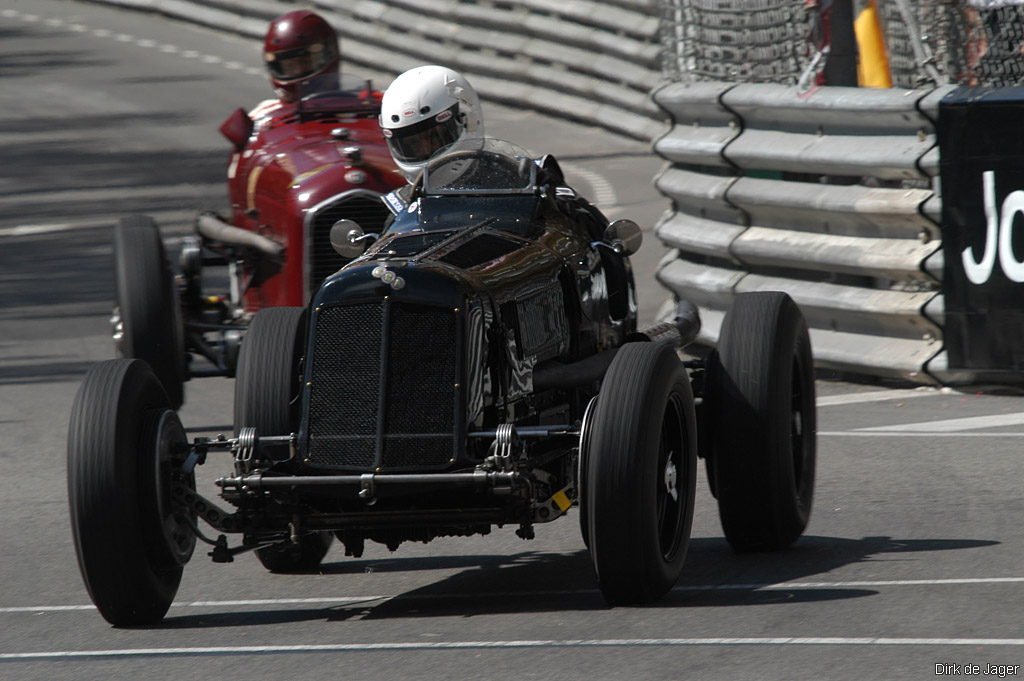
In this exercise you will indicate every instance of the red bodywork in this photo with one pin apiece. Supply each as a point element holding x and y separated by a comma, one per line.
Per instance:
<point>307,165</point>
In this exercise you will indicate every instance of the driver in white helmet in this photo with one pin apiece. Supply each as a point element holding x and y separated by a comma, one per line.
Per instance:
<point>432,109</point>
<point>425,110</point>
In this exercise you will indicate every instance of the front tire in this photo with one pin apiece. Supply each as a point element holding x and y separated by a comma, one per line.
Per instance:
<point>124,460</point>
<point>267,378</point>
<point>762,422</point>
<point>147,317</point>
<point>266,398</point>
<point>641,473</point>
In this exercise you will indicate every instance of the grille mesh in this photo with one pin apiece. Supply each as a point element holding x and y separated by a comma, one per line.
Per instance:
<point>421,385</point>
<point>420,401</point>
<point>367,210</point>
<point>343,397</point>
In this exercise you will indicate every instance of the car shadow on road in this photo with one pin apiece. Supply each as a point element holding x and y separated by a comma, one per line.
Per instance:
<point>544,582</point>
<point>714,575</point>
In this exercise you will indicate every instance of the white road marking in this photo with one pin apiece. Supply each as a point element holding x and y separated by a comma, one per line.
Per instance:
<point>286,601</point>
<point>114,193</point>
<point>855,583</point>
<point>48,608</point>
<point>551,643</point>
<point>951,425</point>
<point>604,191</point>
<point>340,600</point>
<point>32,230</point>
<point>861,433</point>
<point>173,224</point>
<point>190,54</point>
<point>876,396</point>
<point>343,600</point>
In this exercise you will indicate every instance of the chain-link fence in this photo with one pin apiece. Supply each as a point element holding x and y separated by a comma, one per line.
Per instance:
<point>927,42</point>
<point>764,41</point>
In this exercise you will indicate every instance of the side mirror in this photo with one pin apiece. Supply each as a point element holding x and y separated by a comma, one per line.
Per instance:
<point>624,236</point>
<point>348,239</point>
<point>237,128</point>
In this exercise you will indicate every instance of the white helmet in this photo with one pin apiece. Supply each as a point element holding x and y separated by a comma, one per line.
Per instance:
<point>425,110</point>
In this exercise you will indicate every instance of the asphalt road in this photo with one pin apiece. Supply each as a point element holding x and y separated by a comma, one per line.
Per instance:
<point>913,557</point>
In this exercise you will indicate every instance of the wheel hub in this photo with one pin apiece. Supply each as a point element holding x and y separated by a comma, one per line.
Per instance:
<point>671,478</point>
<point>175,522</point>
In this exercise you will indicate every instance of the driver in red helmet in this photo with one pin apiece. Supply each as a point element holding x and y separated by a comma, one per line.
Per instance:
<point>299,46</point>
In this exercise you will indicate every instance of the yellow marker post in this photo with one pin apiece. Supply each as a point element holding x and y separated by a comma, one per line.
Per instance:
<point>873,65</point>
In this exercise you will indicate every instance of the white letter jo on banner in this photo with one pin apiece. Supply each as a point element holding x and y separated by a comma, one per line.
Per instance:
<point>998,236</point>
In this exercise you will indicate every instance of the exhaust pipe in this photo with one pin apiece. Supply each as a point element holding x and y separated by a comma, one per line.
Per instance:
<point>212,227</point>
<point>678,333</point>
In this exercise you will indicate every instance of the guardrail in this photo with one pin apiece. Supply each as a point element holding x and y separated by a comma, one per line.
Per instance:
<point>591,61</point>
<point>828,196</point>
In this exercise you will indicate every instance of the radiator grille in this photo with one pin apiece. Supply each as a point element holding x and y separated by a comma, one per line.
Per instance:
<point>343,397</point>
<point>417,426</point>
<point>421,385</point>
<point>365,209</point>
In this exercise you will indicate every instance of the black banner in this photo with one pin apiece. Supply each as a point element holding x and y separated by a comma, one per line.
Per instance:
<point>981,145</point>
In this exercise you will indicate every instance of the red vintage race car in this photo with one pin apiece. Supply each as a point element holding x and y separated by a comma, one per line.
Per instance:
<point>294,172</point>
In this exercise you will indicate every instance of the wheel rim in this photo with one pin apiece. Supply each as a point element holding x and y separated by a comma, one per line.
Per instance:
<point>584,445</point>
<point>671,483</point>
<point>117,331</point>
<point>175,522</point>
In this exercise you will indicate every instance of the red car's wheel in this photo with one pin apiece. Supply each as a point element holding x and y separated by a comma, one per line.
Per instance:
<point>147,315</point>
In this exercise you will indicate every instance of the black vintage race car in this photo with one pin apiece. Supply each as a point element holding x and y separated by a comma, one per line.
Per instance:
<point>477,365</point>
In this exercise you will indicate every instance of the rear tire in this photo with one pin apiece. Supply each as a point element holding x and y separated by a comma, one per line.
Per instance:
<point>124,459</point>
<point>641,473</point>
<point>147,310</point>
<point>762,422</point>
<point>267,387</point>
<point>289,558</point>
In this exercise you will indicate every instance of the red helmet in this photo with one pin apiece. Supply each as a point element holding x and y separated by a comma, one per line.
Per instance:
<point>298,46</point>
